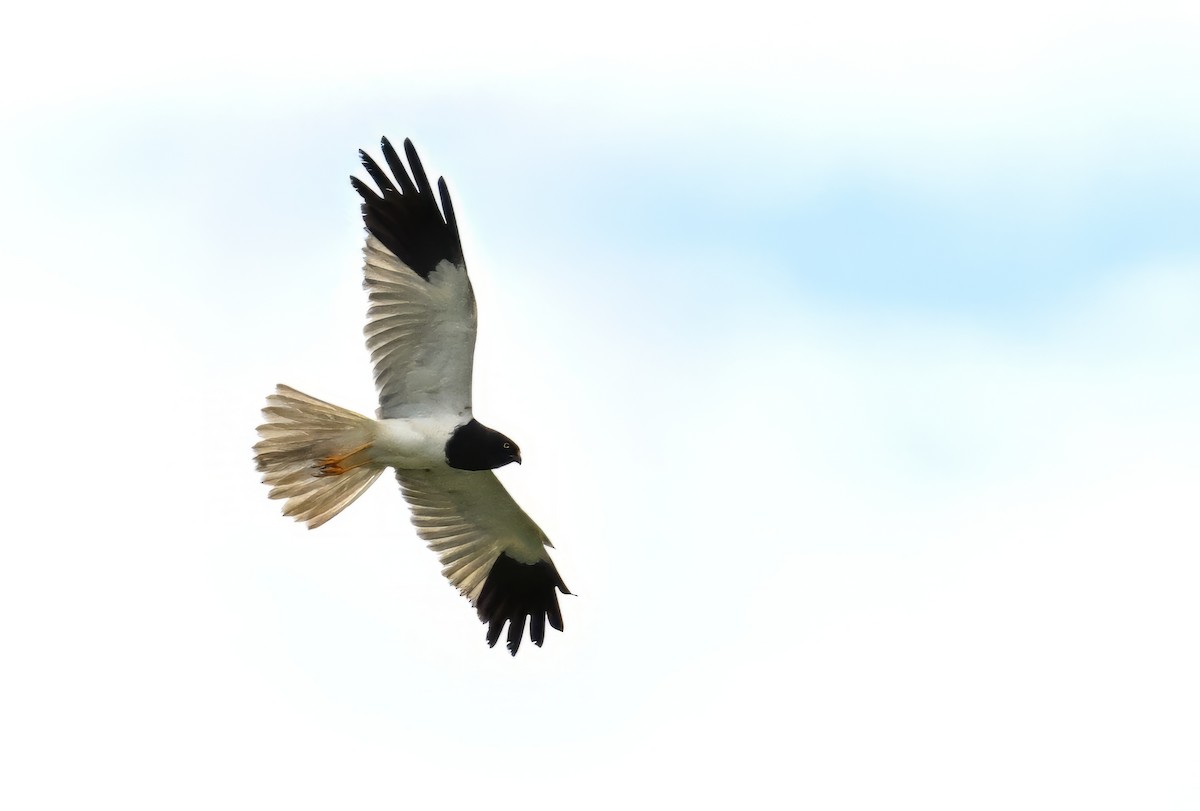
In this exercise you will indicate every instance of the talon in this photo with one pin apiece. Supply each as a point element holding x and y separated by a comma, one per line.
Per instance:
<point>337,465</point>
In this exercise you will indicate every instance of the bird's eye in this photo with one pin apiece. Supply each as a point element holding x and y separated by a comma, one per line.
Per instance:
<point>507,446</point>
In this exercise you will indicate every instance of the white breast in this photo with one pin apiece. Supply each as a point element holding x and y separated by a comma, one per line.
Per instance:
<point>413,443</point>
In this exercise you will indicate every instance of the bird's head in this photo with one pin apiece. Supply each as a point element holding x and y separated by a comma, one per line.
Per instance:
<point>474,446</point>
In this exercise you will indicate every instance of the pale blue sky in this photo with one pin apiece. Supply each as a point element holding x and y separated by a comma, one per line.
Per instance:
<point>853,355</point>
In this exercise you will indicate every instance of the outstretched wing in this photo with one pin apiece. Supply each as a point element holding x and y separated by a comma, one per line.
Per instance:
<point>489,548</point>
<point>421,321</point>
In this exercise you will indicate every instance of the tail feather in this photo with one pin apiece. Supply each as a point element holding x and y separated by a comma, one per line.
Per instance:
<point>300,437</point>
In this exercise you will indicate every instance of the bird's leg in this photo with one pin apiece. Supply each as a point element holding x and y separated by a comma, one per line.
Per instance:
<point>340,463</point>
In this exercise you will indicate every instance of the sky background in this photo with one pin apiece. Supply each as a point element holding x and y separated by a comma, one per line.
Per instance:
<point>854,355</point>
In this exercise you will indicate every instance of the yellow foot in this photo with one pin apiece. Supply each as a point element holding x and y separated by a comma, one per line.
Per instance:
<point>337,465</point>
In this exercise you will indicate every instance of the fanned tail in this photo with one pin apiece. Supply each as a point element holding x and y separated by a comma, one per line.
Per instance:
<point>315,455</point>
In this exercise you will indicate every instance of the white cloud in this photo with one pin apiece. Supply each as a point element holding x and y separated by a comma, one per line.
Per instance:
<point>1004,629</point>
<point>957,88</point>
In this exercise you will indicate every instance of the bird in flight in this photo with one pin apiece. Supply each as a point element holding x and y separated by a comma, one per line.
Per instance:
<point>420,331</point>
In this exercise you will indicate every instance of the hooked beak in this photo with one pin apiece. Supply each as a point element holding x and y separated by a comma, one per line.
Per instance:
<point>517,457</point>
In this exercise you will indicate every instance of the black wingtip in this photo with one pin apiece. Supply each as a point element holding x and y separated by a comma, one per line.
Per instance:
<point>404,215</point>
<point>516,593</point>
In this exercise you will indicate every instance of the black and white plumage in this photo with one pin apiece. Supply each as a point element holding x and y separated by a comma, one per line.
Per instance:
<point>421,327</point>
